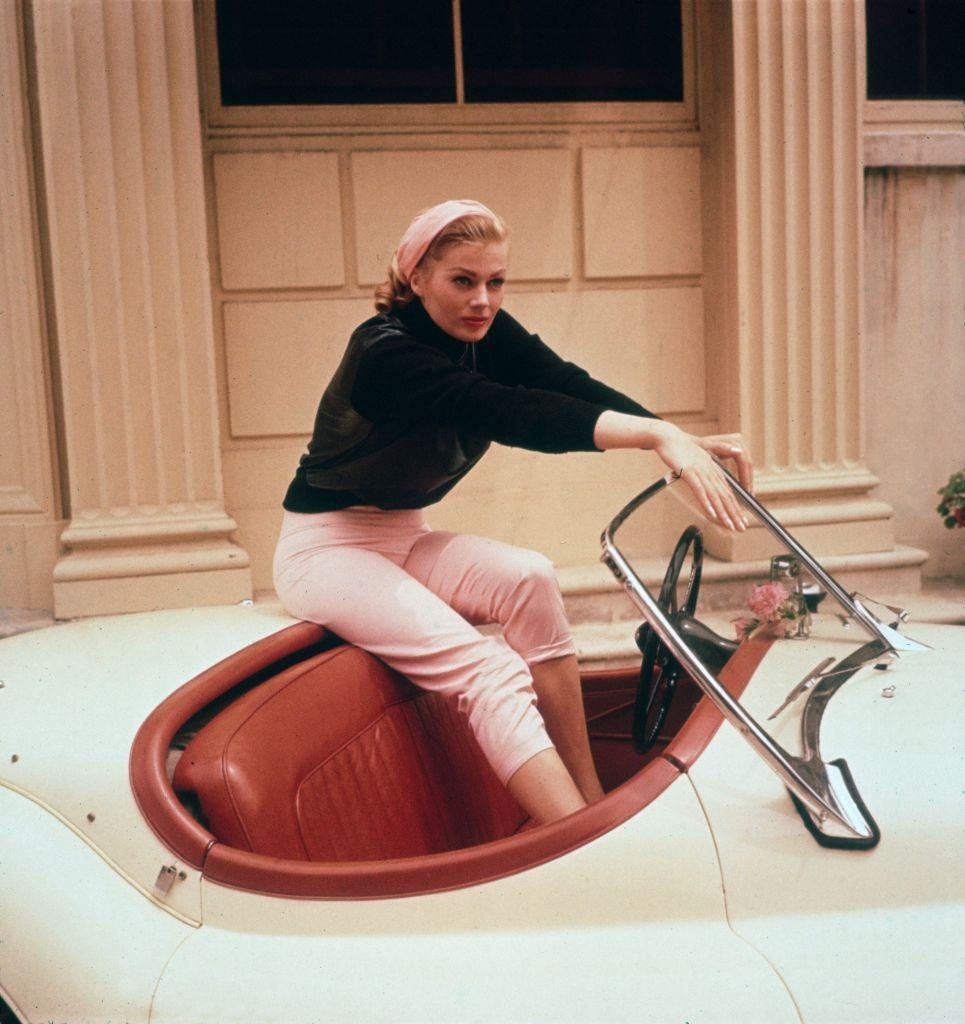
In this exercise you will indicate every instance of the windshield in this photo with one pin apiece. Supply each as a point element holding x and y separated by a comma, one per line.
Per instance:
<point>713,590</point>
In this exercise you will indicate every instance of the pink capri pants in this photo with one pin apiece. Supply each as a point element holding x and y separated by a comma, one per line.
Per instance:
<point>384,581</point>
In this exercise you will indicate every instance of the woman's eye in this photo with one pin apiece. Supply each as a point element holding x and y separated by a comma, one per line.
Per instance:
<point>496,282</point>
<point>461,279</point>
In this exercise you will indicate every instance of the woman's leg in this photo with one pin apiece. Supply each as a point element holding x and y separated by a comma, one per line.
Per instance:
<point>370,601</point>
<point>488,581</point>
<point>560,701</point>
<point>544,788</point>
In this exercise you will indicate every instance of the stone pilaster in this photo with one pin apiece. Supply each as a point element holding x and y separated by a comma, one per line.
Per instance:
<point>29,520</point>
<point>786,155</point>
<point>119,121</point>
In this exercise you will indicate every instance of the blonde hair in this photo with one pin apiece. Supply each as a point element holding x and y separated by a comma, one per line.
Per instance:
<point>473,228</point>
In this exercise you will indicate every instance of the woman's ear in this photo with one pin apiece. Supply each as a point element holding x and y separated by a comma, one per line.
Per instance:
<point>415,282</point>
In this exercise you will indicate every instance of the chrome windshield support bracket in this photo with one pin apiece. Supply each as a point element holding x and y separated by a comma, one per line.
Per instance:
<point>824,793</point>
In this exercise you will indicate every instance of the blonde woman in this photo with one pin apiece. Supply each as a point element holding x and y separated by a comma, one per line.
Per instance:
<point>423,389</point>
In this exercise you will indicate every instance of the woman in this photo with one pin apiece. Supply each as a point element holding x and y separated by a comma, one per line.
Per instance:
<point>422,390</point>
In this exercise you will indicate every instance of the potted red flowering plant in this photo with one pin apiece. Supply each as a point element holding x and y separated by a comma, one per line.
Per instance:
<point>952,507</point>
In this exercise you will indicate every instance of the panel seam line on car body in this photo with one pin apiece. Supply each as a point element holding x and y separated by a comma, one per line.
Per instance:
<point>161,973</point>
<point>110,862</point>
<point>723,889</point>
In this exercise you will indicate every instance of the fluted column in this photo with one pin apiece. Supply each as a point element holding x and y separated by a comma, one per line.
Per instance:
<point>29,506</point>
<point>789,161</point>
<point>123,188</point>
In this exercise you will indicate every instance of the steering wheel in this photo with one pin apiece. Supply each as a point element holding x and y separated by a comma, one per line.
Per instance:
<point>654,696</point>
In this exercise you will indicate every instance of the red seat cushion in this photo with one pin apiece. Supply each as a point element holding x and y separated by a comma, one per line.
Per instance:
<point>339,758</point>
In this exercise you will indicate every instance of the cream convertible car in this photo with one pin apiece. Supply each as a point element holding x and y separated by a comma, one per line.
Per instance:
<point>290,832</point>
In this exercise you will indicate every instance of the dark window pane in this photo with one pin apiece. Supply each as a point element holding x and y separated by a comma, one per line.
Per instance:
<point>916,49</point>
<point>547,51</point>
<point>945,47</point>
<point>307,51</point>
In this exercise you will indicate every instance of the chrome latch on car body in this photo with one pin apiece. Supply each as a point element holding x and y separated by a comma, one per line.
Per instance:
<point>166,878</point>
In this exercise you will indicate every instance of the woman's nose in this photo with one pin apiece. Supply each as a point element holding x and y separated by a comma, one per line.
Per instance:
<point>480,296</point>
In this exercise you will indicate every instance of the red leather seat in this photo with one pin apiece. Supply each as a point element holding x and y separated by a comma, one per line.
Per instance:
<point>338,758</point>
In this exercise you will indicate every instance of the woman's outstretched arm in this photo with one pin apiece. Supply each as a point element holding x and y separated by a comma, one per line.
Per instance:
<point>687,455</point>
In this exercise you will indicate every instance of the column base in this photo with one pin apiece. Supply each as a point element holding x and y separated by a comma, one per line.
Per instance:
<point>840,526</point>
<point>136,565</point>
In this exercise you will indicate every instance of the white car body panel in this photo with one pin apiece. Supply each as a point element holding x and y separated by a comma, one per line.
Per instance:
<point>77,944</point>
<point>859,936</point>
<point>632,926</point>
<point>628,928</point>
<point>73,699</point>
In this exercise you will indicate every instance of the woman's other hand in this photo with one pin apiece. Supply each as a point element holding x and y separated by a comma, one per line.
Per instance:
<point>732,446</point>
<point>689,457</point>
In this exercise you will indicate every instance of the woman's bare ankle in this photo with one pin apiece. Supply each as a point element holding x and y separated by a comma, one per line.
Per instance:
<point>544,788</point>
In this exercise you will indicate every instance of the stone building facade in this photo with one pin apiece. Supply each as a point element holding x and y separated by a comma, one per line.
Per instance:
<point>774,254</point>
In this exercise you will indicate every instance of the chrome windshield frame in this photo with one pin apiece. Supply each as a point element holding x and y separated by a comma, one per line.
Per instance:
<point>826,795</point>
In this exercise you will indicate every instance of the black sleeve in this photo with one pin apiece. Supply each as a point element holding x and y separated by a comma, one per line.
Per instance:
<point>401,379</point>
<point>524,358</point>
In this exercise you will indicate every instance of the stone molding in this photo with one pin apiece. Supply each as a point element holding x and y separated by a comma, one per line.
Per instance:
<point>798,82</point>
<point>29,499</point>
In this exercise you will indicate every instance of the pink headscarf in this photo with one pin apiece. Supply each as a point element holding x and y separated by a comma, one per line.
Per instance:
<point>420,233</point>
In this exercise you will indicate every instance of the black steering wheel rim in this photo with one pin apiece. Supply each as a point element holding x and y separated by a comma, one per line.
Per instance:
<point>654,697</point>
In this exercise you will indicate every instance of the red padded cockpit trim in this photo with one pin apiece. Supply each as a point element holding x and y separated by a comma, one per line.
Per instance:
<point>162,810</point>
<point>704,721</point>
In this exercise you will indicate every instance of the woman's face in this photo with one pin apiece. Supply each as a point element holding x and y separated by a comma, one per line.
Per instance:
<point>463,290</point>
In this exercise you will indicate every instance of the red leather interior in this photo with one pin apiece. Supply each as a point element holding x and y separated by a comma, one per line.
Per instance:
<point>338,758</point>
<point>438,872</point>
<point>285,667</point>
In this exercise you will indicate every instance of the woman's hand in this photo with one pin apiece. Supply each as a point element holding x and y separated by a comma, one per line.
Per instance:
<point>732,446</point>
<point>690,459</point>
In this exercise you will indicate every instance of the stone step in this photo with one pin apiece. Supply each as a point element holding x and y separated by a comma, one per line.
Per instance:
<point>592,595</point>
<point>611,644</point>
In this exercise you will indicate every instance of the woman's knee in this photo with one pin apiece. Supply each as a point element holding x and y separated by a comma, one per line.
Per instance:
<point>533,615</point>
<point>533,577</point>
<point>499,702</point>
<point>532,601</point>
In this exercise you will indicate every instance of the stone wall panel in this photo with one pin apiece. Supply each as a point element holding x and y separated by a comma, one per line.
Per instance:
<point>641,209</point>
<point>531,188</point>
<point>279,357</point>
<point>279,220</point>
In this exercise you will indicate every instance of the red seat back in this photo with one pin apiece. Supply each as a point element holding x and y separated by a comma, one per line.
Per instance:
<point>339,758</point>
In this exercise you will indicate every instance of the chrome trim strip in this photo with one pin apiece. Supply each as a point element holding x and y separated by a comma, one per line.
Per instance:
<point>875,651</point>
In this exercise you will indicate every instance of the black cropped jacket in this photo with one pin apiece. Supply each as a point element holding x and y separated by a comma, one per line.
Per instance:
<point>410,410</point>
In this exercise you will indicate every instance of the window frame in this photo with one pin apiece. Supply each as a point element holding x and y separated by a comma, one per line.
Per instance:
<point>428,116</point>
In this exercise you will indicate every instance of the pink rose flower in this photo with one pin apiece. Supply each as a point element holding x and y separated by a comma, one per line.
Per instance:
<point>767,600</point>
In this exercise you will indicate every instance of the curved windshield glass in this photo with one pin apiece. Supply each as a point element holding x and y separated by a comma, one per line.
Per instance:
<point>715,590</point>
